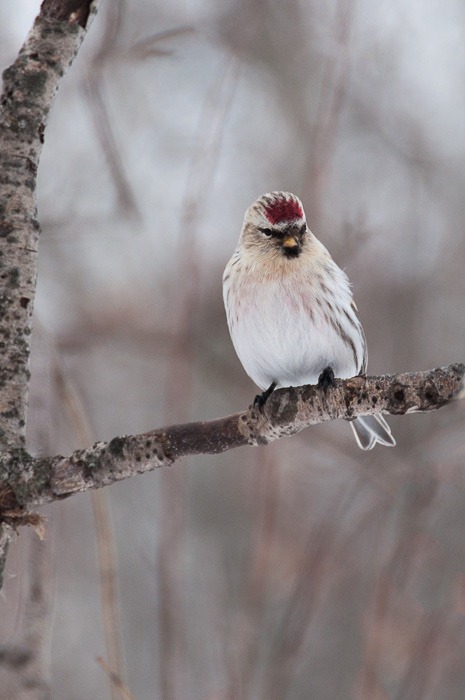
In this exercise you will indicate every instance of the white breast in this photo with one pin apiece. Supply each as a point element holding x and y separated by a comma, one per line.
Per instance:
<point>288,330</point>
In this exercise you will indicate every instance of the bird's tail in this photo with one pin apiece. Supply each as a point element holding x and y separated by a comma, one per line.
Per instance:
<point>369,430</point>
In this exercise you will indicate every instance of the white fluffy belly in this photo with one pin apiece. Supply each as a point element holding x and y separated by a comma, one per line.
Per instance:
<point>285,338</point>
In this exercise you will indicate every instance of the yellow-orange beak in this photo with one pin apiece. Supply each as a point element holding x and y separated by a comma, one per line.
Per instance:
<point>290,242</point>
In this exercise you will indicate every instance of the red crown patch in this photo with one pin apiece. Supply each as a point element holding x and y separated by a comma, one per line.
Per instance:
<point>281,209</point>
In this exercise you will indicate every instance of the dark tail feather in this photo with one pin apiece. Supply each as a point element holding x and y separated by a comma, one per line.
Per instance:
<point>369,430</point>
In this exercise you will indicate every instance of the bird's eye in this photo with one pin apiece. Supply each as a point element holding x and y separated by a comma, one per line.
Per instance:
<point>268,232</point>
<point>303,229</point>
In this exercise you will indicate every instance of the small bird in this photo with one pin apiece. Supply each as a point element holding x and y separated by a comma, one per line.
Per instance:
<point>290,310</point>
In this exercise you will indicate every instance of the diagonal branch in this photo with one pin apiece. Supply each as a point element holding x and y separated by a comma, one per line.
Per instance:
<point>29,482</point>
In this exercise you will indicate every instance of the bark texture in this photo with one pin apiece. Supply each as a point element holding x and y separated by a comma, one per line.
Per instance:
<point>29,482</point>
<point>29,86</point>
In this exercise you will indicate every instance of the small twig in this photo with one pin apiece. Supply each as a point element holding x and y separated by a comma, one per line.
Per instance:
<point>105,540</point>
<point>115,680</point>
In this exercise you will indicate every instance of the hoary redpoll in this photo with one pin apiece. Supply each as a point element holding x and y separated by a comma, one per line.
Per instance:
<point>290,310</point>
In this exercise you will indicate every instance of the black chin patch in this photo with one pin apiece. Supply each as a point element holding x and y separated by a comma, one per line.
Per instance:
<point>292,252</point>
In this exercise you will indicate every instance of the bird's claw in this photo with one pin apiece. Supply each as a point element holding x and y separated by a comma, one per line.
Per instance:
<point>261,399</point>
<point>326,378</point>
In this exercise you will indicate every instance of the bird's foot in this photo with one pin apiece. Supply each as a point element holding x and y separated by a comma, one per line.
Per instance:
<point>326,378</point>
<point>261,399</point>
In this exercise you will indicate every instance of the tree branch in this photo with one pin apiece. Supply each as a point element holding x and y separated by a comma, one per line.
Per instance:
<point>29,86</point>
<point>30,482</point>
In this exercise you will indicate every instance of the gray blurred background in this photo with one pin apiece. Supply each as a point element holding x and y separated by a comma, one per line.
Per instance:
<point>306,569</point>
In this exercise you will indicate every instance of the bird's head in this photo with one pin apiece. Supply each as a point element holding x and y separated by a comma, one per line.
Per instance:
<point>275,224</point>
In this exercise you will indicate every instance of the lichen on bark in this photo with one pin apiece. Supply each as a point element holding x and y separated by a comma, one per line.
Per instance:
<point>29,86</point>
